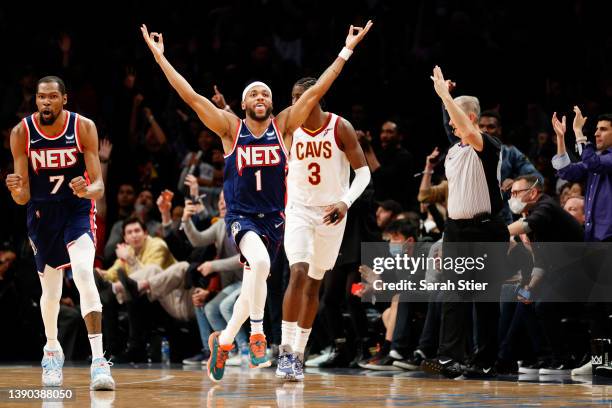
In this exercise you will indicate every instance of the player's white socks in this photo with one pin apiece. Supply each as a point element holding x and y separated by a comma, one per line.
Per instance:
<point>301,338</point>
<point>288,330</point>
<point>97,351</point>
<point>82,253</point>
<point>51,282</point>
<point>239,315</point>
<point>254,280</point>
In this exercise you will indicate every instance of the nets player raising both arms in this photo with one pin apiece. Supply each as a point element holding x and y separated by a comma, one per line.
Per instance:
<point>254,184</point>
<point>323,150</point>
<point>57,175</point>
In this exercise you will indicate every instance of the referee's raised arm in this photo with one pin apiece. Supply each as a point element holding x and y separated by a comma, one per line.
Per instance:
<point>461,122</point>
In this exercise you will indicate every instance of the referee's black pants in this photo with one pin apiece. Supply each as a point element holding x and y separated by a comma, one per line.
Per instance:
<point>462,310</point>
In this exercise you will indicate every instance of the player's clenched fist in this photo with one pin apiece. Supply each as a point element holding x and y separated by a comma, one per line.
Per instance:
<point>14,182</point>
<point>79,186</point>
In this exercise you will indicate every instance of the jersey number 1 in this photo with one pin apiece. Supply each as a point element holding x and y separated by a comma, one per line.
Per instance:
<point>58,180</point>
<point>258,180</point>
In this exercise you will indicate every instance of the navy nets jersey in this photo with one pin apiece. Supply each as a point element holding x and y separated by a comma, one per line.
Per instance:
<point>255,172</point>
<point>255,187</point>
<point>54,160</point>
<point>55,216</point>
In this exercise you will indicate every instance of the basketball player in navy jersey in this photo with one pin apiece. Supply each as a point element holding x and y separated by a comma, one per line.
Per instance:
<point>57,175</point>
<point>254,184</point>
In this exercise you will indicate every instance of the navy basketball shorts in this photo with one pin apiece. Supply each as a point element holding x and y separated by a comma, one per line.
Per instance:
<point>53,226</point>
<point>270,227</point>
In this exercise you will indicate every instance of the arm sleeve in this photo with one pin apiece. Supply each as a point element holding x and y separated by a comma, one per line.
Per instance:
<point>596,163</point>
<point>200,238</point>
<point>227,264</point>
<point>567,170</point>
<point>434,194</point>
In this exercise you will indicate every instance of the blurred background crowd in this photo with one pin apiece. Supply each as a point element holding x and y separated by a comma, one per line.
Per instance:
<point>523,61</point>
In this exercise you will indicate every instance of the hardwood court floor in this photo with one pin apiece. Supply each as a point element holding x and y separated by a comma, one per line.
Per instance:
<point>146,387</point>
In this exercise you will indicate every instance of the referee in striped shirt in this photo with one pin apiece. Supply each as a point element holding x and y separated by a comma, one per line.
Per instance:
<point>474,203</point>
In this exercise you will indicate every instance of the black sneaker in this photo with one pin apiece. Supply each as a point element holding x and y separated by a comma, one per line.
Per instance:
<point>129,284</point>
<point>506,367</point>
<point>338,358</point>
<point>375,359</point>
<point>604,371</point>
<point>413,363</point>
<point>475,371</point>
<point>558,368</point>
<point>443,366</point>
<point>383,364</point>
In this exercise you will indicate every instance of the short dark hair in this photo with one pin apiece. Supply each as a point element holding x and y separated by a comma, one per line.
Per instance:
<point>491,114</point>
<point>306,83</point>
<point>132,220</point>
<point>391,205</point>
<point>402,227</point>
<point>606,117</point>
<point>52,78</point>
<point>532,180</point>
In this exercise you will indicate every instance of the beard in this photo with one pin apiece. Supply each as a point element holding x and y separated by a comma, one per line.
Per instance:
<point>47,120</point>
<point>261,118</point>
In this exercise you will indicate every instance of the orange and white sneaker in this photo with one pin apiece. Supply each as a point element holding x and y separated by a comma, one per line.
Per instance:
<point>218,356</point>
<point>257,351</point>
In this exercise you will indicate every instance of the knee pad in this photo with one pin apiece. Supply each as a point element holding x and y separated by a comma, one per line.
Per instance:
<point>82,253</point>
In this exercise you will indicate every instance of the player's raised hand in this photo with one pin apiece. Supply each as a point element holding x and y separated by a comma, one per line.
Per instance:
<point>14,182</point>
<point>356,34</point>
<point>440,85</point>
<point>559,125</point>
<point>155,41</point>
<point>335,213</point>
<point>79,186</point>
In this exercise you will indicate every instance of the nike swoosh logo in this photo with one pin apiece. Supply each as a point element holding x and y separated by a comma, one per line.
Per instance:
<point>445,361</point>
<point>270,133</point>
<point>278,225</point>
<point>244,135</point>
<point>70,137</point>
<point>486,370</point>
<point>270,138</point>
<point>35,141</point>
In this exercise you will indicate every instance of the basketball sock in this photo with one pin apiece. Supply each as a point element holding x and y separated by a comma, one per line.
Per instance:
<point>288,330</point>
<point>51,282</point>
<point>256,326</point>
<point>255,252</point>
<point>239,315</point>
<point>53,344</point>
<point>301,338</point>
<point>95,340</point>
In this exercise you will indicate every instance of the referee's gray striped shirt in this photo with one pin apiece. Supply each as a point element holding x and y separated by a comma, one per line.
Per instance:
<point>474,179</point>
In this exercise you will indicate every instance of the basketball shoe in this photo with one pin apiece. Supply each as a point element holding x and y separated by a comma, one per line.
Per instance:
<point>257,351</point>
<point>101,378</point>
<point>218,356</point>
<point>52,363</point>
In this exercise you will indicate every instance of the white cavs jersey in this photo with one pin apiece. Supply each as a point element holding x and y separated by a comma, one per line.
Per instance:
<point>318,176</point>
<point>318,170</point>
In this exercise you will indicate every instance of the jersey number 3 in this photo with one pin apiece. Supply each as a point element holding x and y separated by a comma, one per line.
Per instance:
<point>315,173</point>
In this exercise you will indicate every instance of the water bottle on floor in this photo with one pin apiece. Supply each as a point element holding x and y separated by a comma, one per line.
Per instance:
<point>165,352</point>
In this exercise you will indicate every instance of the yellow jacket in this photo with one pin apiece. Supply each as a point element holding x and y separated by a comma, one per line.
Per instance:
<point>154,252</point>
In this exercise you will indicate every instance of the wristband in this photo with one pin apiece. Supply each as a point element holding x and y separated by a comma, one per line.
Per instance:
<point>345,54</point>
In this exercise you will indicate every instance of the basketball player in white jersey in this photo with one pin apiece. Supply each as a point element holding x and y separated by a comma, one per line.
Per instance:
<point>318,198</point>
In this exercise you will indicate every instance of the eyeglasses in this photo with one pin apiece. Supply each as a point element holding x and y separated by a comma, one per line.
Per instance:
<point>515,193</point>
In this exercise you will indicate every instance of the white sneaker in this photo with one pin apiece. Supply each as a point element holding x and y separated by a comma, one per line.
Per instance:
<point>234,361</point>
<point>315,361</point>
<point>52,363</point>
<point>586,369</point>
<point>101,379</point>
